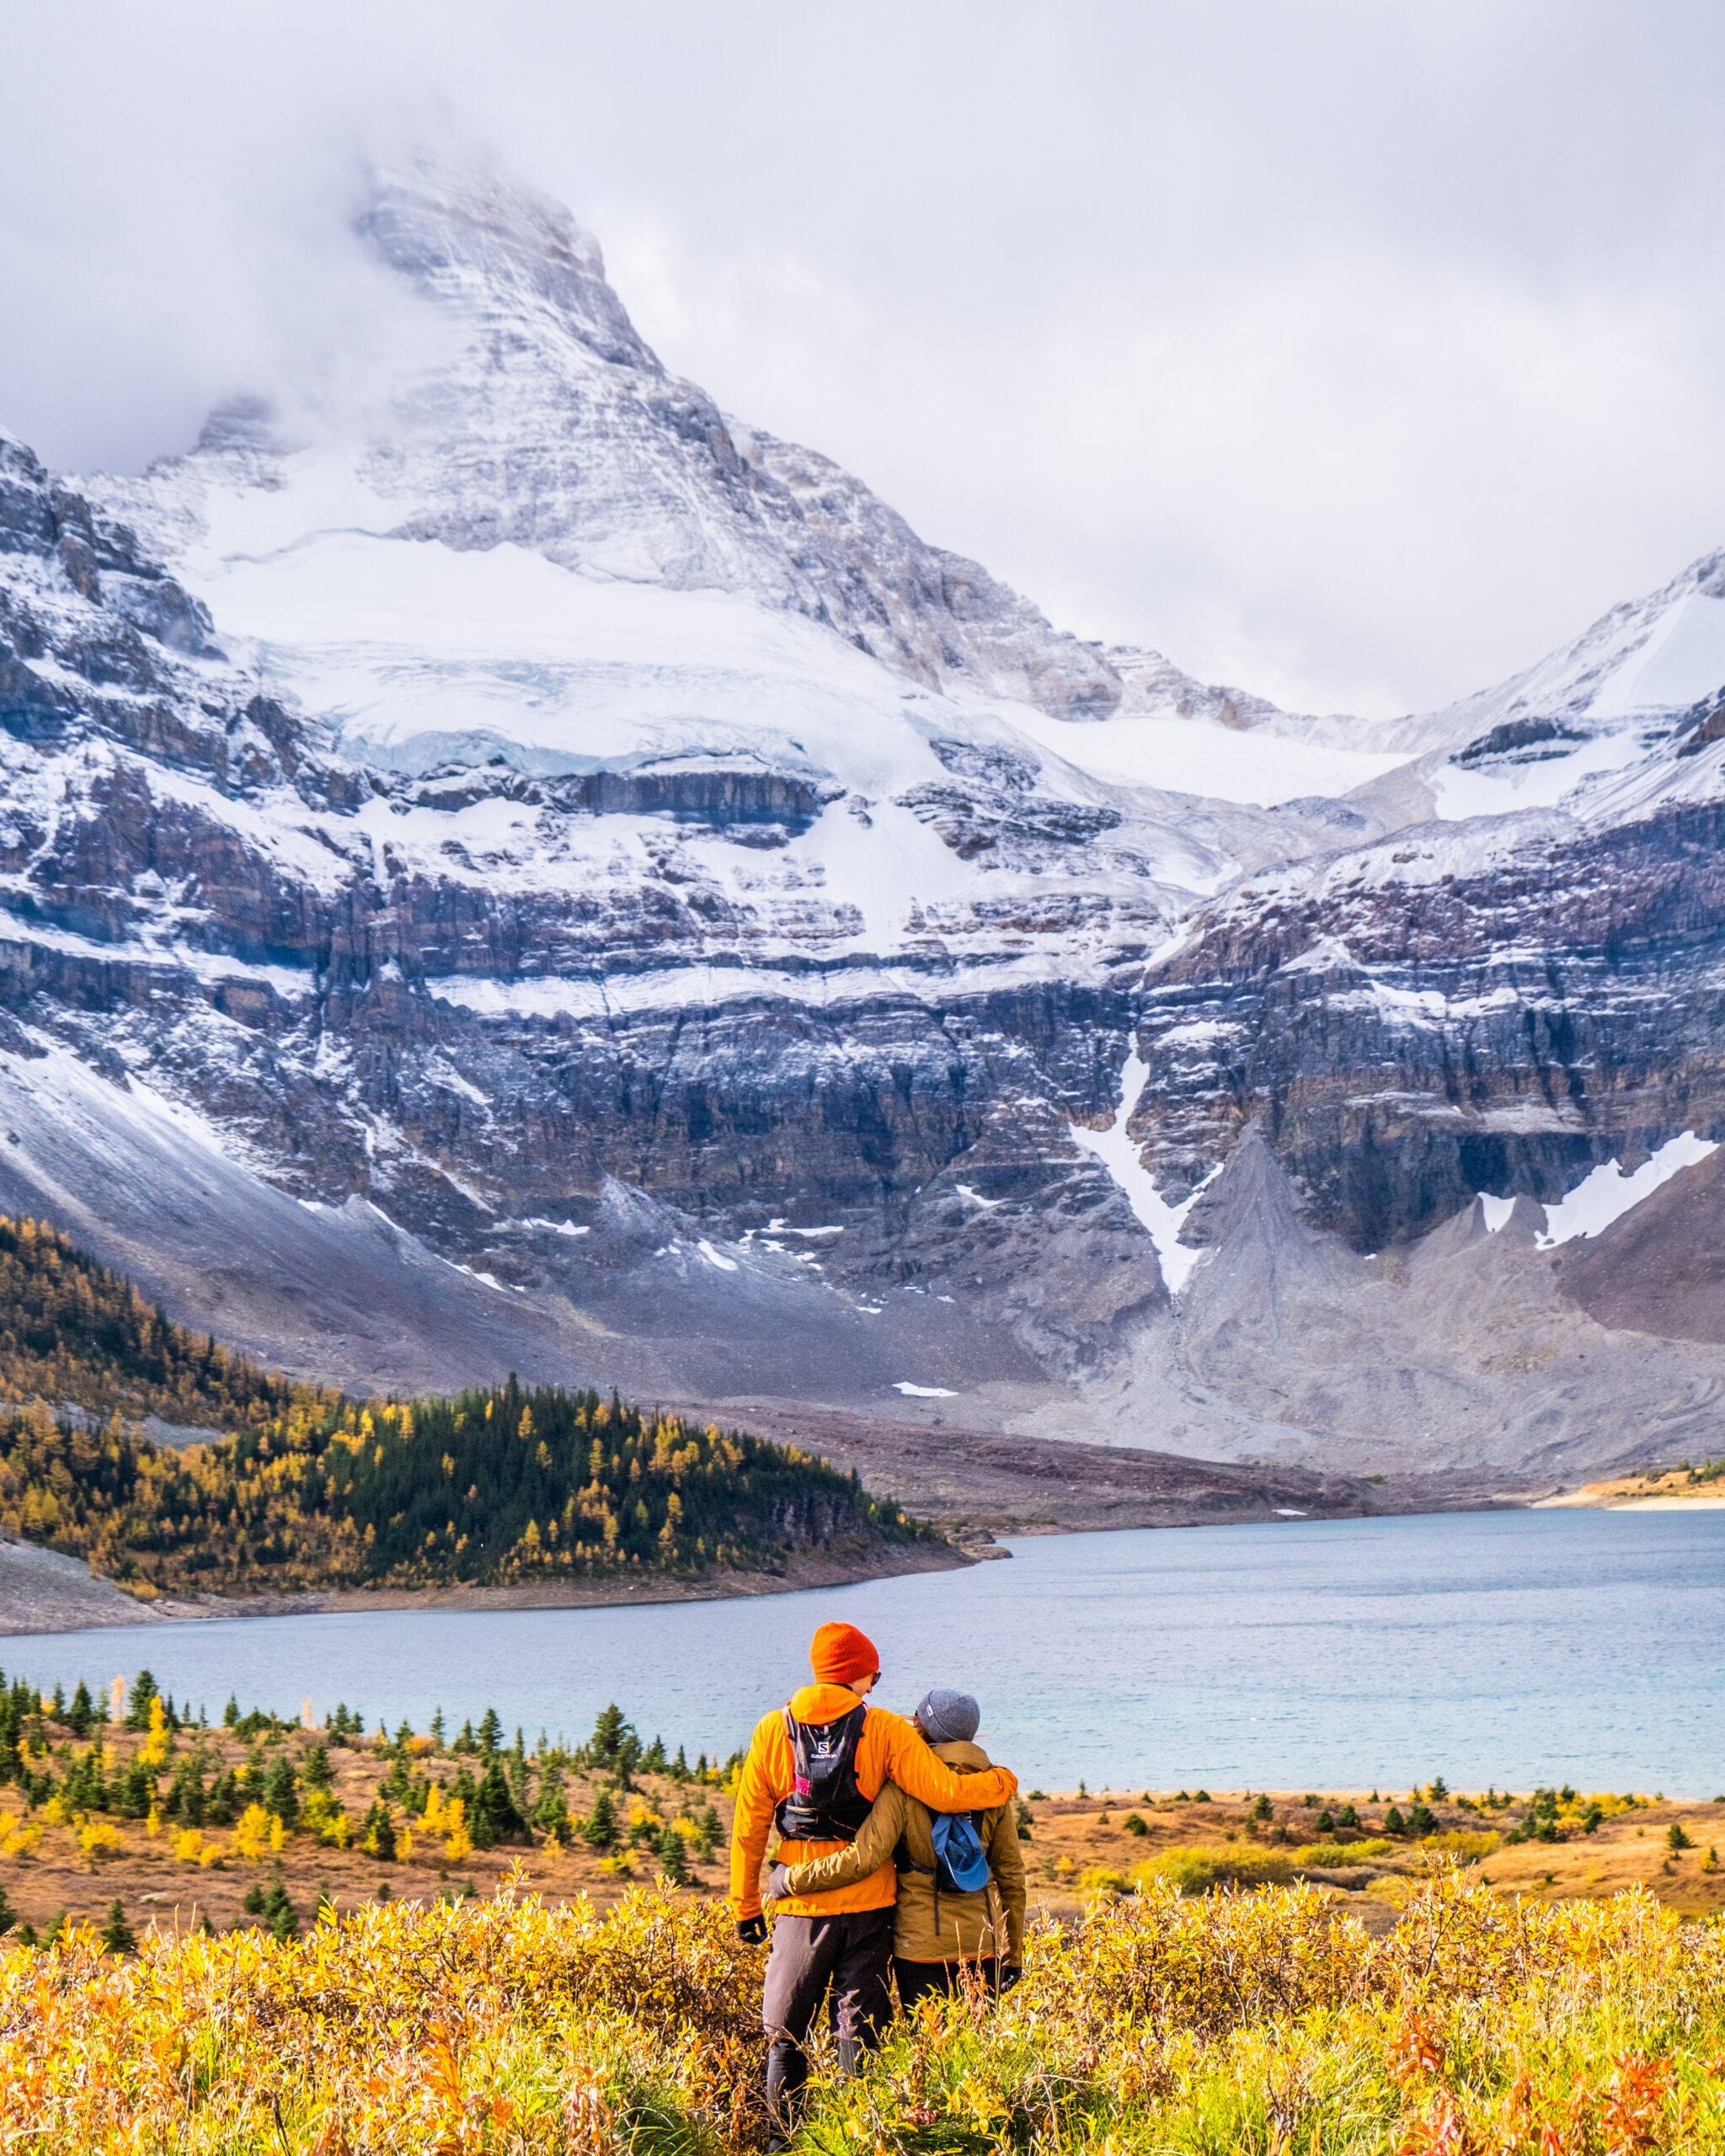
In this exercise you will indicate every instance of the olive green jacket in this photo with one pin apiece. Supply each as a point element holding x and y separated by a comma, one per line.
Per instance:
<point>970,1926</point>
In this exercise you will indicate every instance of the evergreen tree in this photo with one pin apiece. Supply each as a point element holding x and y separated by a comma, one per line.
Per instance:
<point>377,1835</point>
<point>117,1935</point>
<point>610,1734</point>
<point>551,1812</point>
<point>137,1790</point>
<point>653,1758</point>
<point>674,1857</point>
<point>315,1768</point>
<point>137,1708</point>
<point>8,1915</point>
<point>80,1716</point>
<point>187,1799</point>
<point>279,1912</point>
<point>279,1795</point>
<point>491,1734</point>
<point>492,1816</point>
<point>599,1831</point>
<point>230,1713</point>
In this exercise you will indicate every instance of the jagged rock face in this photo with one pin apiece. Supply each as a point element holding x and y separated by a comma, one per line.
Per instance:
<point>202,896</point>
<point>659,917</point>
<point>1405,1044</point>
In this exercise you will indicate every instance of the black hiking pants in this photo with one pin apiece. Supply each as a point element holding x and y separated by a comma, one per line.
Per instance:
<point>842,1960</point>
<point>917,1979</point>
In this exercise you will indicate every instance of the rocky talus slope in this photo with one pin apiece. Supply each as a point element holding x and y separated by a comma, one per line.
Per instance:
<point>545,875</point>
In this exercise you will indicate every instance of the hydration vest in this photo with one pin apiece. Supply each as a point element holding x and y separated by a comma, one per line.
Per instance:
<point>825,1804</point>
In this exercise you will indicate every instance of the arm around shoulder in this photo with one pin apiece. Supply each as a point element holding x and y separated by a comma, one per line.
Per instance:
<point>920,1774</point>
<point>877,1837</point>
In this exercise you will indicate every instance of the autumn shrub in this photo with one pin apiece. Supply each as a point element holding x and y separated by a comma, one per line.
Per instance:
<point>1232,2023</point>
<point>500,2025</point>
<point>1344,1856</point>
<point>1269,2024</point>
<point>1196,1870</point>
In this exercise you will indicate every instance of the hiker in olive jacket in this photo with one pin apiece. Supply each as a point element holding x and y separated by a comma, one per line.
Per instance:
<point>935,1930</point>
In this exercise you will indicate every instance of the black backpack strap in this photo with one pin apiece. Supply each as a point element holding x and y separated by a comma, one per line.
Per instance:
<point>904,1861</point>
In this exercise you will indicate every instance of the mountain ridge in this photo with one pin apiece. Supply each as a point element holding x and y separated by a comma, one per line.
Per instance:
<point>682,910</point>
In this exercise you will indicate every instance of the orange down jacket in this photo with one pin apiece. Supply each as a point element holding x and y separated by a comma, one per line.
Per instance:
<point>889,1749</point>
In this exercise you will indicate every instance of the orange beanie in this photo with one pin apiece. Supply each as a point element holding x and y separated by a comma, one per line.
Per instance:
<point>840,1652</point>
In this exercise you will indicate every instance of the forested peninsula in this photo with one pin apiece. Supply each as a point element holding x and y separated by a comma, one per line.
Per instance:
<point>304,1489</point>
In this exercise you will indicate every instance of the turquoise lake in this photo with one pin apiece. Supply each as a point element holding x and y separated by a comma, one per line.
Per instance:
<point>1514,1648</point>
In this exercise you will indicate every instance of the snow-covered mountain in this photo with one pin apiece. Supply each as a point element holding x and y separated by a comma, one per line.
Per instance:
<point>666,923</point>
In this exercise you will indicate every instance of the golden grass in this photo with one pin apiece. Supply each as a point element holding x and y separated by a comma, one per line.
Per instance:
<point>1266,2023</point>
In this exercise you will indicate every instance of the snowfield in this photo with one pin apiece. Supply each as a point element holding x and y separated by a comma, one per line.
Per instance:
<point>1220,763</point>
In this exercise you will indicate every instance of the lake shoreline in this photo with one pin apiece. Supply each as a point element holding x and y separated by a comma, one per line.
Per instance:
<point>41,1591</point>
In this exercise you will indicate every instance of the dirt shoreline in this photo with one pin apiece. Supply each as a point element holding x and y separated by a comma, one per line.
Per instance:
<point>41,1592</point>
<point>1671,1492</point>
<point>975,1485</point>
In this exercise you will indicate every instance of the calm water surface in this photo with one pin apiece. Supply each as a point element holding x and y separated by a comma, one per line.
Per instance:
<point>1507,1647</point>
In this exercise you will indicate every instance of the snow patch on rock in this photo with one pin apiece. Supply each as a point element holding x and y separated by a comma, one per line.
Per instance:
<point>1607,1194</point>
<point>1120,1157</point>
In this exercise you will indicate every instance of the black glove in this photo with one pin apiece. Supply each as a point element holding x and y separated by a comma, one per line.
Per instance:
<point>752,1931</point>
<point>778,1884</point>
<point>1009,1976</point>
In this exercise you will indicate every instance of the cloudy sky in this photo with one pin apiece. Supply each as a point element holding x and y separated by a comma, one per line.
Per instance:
<point>1357,352</point>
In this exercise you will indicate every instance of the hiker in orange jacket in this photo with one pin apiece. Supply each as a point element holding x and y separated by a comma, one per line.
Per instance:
<point>815,1768</point>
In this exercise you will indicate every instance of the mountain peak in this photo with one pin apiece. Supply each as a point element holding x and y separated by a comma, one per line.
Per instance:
<point>524,410</point>
<point>471,237</point>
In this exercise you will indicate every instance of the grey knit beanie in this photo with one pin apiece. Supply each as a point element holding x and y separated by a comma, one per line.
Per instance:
<point>948,1717</point>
